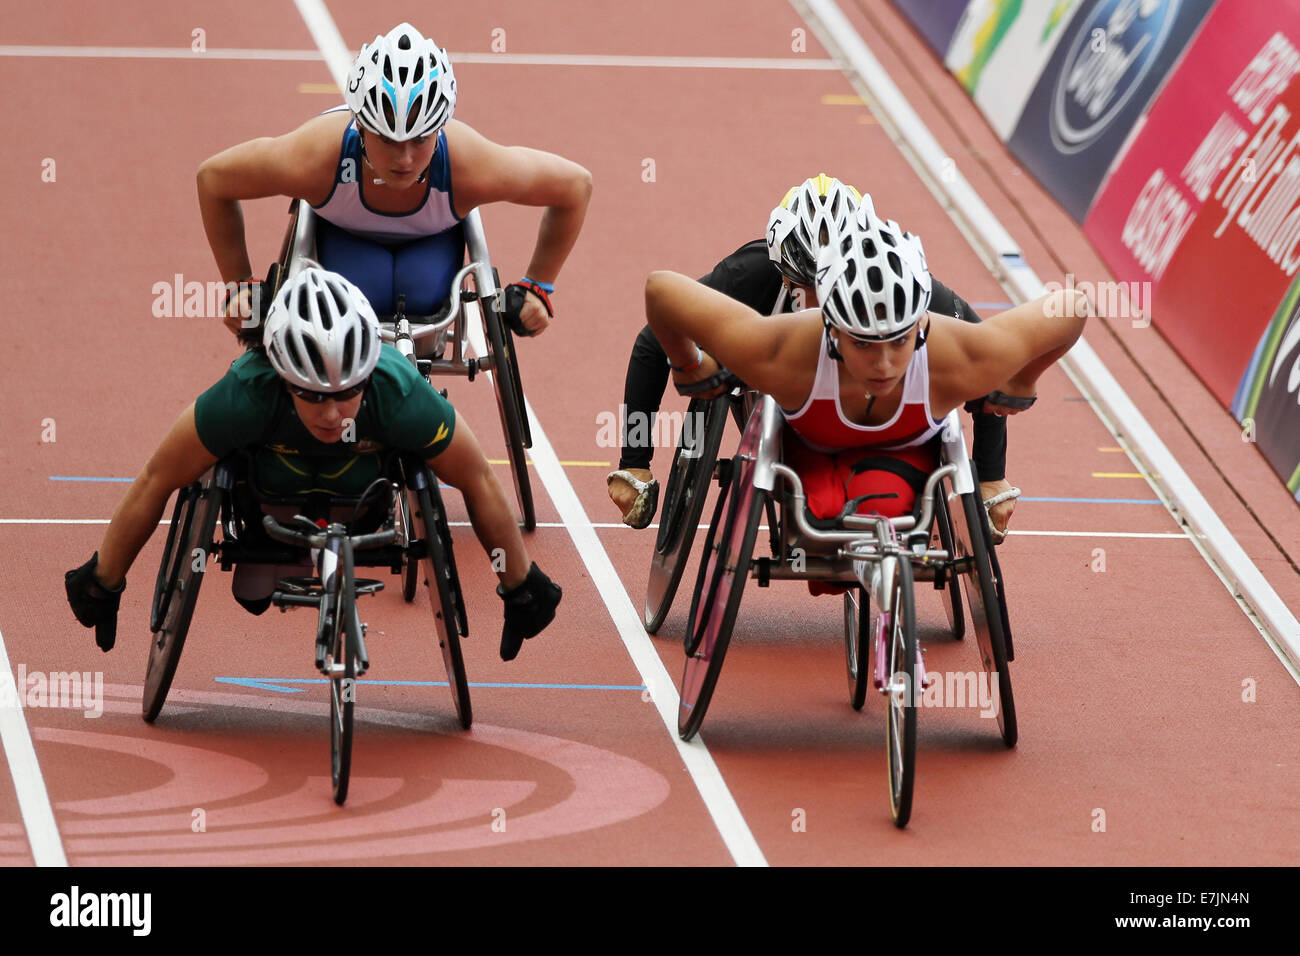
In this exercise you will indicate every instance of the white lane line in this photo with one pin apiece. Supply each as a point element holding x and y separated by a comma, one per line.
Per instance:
<point>20,755</point>
<point>995,246</point>
<point>337,56</point>
<point>618,525</point>
<point>499,59</point>
<point>699,763</point>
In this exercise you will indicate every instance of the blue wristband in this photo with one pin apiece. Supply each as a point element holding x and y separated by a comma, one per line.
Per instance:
<point>547,287</point>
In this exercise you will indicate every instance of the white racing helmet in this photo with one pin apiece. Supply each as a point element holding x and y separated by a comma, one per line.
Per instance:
<point>810,215</point>
<point>872,280</point>
<point>321,333</point>
<point>401,85</point>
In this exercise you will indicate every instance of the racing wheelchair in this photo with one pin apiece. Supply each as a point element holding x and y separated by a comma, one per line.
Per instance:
<point>437,344</point>
<point>880,558</point>
<point>375,535</point>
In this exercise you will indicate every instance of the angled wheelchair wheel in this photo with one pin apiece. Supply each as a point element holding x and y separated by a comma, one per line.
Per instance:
<point>952,590</point>
<point>176,589</point>
<point>900,671</point>
<point>514,416</point>
<point>343,639</point>
<point>724,569</point>
<point>857,643</point>
<point>683,504</point>
<point>986,614</point>
<point>444,592</point>
<point>410,565</point>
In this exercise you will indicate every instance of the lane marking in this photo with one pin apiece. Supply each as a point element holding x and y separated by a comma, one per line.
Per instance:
<point>33,799</point>
<point>500,59</point>
<point>1103,501</point>
<point>998,250</point>
<point>87,478</point>
<point>567,464</point>
<point>281,684</point>
<point>842,99</point>
<point>619,526</point>
<point>699,762</point>
<point>1100,534</point>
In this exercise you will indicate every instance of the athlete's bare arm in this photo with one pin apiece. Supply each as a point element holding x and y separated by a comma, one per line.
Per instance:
<point>774,354</point>
<point>300,164</point>
<point>485,172</point>
<point>179,460</point>
<point>1007,352</point>
<point>463,466</point>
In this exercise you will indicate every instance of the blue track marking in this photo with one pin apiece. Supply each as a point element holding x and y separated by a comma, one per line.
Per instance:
<point>1101,501</point>
<point>279,684</point>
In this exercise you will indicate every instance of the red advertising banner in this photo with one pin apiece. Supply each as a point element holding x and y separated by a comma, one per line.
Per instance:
<point>1203,203</point>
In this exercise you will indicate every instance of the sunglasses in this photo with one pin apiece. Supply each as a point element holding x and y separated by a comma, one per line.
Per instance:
<point>317,398</point>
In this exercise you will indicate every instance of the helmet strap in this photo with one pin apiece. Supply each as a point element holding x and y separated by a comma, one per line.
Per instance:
<point>831,350</point>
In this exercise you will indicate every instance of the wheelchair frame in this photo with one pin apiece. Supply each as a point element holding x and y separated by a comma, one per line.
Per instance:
<point>425,339</point>
<point>213,501</point>
<point>877,555</point>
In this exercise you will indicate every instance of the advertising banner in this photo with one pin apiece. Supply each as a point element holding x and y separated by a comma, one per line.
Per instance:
<point>1101,77</point>
<point>1184,162</point>
<point>935,20</point>
<point>999,49</point>
<point>1242,250</point>
<point>1268,403</point>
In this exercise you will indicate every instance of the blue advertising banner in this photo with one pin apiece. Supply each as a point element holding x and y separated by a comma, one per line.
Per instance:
<point>1100,80</point>
<point>936,20</point>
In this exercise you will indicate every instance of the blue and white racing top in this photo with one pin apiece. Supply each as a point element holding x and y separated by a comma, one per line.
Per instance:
<point>346,208</point>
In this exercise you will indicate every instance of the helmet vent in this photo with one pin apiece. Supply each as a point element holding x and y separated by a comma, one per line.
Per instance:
<point>401,74</point>
<point>404,43</point>
<point>895,263</point>
<point>323,310</point>
<point>390,118</point>
<point>900,301</point>
<point>860,307</point>
<point>868,248</point>
<point>875,281</point>
<point>316,359</point>
<point>349,349</point>
<point>388,69</point>
<point>413,114</point>
<point>419,71</point>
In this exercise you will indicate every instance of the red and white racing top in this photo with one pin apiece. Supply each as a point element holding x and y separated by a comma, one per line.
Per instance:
<point>821,423</point>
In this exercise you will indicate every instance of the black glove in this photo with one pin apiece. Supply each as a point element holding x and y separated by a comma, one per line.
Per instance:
<point>530,606</point>
<point>94,604</point>
<point>515,295</point>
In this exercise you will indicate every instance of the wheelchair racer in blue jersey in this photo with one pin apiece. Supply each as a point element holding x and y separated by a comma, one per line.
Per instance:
<point>391,176</point>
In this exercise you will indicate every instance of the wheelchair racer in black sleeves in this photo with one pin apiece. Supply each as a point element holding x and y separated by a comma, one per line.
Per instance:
<point>317,406</point>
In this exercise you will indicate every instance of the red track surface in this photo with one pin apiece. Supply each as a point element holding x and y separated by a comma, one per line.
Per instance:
<point>1128,682</point>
